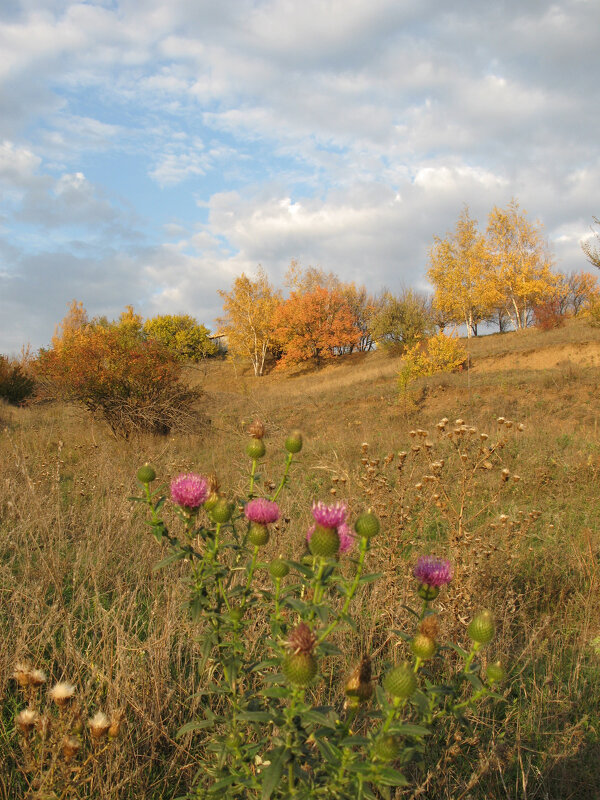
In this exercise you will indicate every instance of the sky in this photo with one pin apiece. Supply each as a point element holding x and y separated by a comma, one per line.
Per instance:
<point>150,152</point>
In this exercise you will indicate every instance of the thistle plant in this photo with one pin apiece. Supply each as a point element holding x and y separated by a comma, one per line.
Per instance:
<point>64,749</point>
<point>271,630</point>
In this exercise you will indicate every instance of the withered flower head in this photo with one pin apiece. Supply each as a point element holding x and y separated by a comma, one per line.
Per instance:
<point>62,693</point>
<point>430,626</point>
<point>70,747</point>
<point>99,725</point>
<point>37,677</point>
<point>359,683</point>
<point>301,639</point>
<point>116,722</point>
<point>26,719</point>
<point>257,429</point>
<point>213,484</point>
<point>22,674</point>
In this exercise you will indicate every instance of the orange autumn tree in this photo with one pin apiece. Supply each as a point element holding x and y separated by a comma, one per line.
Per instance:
<point>314,325</point>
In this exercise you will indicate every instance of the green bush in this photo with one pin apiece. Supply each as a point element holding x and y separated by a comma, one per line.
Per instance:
<point>15,385</point>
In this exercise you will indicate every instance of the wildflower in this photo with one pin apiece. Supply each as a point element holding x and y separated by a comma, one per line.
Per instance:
<point>433,571</point>
<point>22,674</point>
<point>329,516</point>
<point>189,490</point>
<point>62,693</point>
<point>262,511</point>
<point>37,677</point>
<point>347,538</point>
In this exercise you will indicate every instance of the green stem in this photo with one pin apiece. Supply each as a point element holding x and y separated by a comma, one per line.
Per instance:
<point>288,463</point>
<point>251,571</point>
<point>398,705</point>
<point>364,547</point>
<point>252,474</point>
<point>471,656</point>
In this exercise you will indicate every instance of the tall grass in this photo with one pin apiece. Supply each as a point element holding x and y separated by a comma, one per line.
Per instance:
<point>79,598</point>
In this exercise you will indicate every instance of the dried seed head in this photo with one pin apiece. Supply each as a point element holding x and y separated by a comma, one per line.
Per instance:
<point>505,474</point>
<point>359,684</point>
<point>43,725</point>
<point>430,626</point>
<point>116,723</point>
<point>99,725</point>
<point>70,747</point>
<point>22,674</point>
<point>62,693</point>
<point>301,639</point>
<point>37,677</point>
<point>213,484</point>
<point>25,720</point>
<point>520,427</point>
<point>257,429</point>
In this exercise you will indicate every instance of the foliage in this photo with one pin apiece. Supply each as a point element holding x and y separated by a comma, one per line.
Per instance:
<point>439,353</point>
<point>15,384</point>
<point>314,326</point>
<point>576,291</point>
<point>466,287</point>
<point>269,731</point>
<point>182,335</point>
<point>401,321</point>
<point>521,261</point>
<point>75,318</point>
<point>248,321</point>
<point>134,385</point>
<point>592,314</point>
<point>548,315</point>
<point>591,249</point>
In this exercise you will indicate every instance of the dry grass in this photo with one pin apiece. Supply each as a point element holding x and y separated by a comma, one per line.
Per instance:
<point>78,596</point>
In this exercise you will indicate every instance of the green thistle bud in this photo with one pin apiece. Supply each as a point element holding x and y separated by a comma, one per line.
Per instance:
<point>221,511</point>
<point>481,629</point>
<point>423,646</point>
<point>387,748</point>
<point>367,525</point>
<point>236,614</point>
<point>324,542</point>
<point>400,681</point>
<point>146,474</point>
<point>427,592</point>
<point>293,443</point>
<point>258,534</point>
<point>495,672</point>
<point>256,448</point>
<point>300,668</point>
<point>233,741</point>
<point>278,568</point>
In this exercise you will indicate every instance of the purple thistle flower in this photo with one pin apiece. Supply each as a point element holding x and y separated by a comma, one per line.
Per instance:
<point>433,571</point>
<point>262,511</point>
<point>329,516</point>
<point>347,538</point>
<point>189,490</point>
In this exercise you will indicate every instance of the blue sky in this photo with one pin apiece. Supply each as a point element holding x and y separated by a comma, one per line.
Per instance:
<point>151,151</point>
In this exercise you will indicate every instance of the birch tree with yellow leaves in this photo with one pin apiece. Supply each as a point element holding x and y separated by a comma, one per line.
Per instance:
<point>521,261</point>
<point>462,273</point>
<point>247,322</point>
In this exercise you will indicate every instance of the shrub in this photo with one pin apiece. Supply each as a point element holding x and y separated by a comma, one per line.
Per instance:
<point>134,385</point>
<point>182,336</point>
<point>592,314</point>
<point>439,353</point>
<point>15,385</point>
<point>547,316</point>
<point>279,721</point>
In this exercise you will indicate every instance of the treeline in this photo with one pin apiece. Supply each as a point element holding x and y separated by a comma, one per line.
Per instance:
<point>503,277</point>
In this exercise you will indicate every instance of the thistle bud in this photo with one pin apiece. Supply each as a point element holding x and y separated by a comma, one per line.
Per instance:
<point>386,748</point>
<point>256,449</point>
<point>495,672</point>
<point>221,511</point>
<point>278,568</point>
<point>400,682</point>
<point>293,443</point>
<point>22,675</point>
<point>146,474</point>
<point>62,693</point>
<point>423,646</point>
<point>367,525</point>
<point>481,629</point>
<point>258,535</point>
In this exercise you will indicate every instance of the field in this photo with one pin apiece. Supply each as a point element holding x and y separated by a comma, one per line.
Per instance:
<point>79,597</point>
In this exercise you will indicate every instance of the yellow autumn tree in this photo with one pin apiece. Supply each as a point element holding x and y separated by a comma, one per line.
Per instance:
<point>247,321</point>
<point>466,289</point>
<point>75,318</point>
<point>521,261</point>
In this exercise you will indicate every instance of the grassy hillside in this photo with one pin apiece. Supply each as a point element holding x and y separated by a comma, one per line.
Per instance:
<point>79,598</point>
